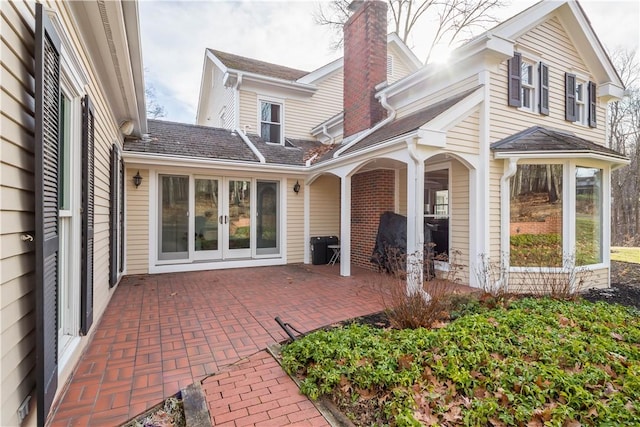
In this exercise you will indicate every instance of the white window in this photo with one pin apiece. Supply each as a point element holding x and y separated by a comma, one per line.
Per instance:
<point>581,102</point>
<point>271,122</point>
<point>528,86</point>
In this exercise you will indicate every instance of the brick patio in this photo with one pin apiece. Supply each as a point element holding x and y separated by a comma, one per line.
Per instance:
<point>161,333</point>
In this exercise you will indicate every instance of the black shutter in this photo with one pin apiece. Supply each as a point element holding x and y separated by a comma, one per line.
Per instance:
<point>113,216</point>
<point>86,273</point>
<point>47,133</point>
<point>515,80</point>
<point>570,97</point>
<point>121,259</point>
<point>544,89</point>
<point>592,105</point>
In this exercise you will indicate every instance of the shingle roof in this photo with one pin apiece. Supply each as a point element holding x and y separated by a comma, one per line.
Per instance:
<point>538,138</point>
<point>250,65</point>
<point>294,152</point>
<point>181,139</point>
<point>401,126</point>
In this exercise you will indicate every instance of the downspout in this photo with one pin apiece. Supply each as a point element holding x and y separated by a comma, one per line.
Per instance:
<point>390,117</point>
<point>324,132</point>
<point>251,146</point>
<point>509,172</point>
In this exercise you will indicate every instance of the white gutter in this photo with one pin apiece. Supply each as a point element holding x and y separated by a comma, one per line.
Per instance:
<point>309,161</point>
<point>561,154</point>
<point>251,146</point>
<point>325,133</point>
<point>390,117</point>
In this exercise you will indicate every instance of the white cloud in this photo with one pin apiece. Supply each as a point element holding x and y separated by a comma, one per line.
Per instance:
<point>175,35</point>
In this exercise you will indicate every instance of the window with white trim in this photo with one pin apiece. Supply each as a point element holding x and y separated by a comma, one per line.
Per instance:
<point>528,88</point>
<point>271,122</point>
<point>581,102</point>
<point>528,84</point>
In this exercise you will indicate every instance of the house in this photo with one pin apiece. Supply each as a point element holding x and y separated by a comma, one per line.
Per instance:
<point>72,88</point>
<point>500,155</point>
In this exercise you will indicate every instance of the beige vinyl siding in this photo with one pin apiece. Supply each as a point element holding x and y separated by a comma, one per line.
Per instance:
<point>439,95</point>
<point>496,170</point>
<point>137,222</point>
<point>17,260</point>
<point>300,115</point>
<point>324,215</point>
<point>459,218</point>
<point>557,51</point>
<point>295,222</point>
<point>402,192</point>
<point>536,282</point>
<point>465,136</point>
<point>220,97</point>
<point>593,278</point>
<point>400,67</point>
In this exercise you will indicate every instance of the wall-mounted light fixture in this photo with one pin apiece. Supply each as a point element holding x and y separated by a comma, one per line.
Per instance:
<point>296,187</point>
<point>137,179</point>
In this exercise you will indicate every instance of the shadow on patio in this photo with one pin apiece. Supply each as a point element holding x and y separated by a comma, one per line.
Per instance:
<point>161,333</point>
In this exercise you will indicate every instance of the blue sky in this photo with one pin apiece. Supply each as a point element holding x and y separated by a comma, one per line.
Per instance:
<point>175,34</point>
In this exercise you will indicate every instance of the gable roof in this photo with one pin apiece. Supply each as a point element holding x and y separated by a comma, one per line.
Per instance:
<point>241,63</point>
<point>204,142</point>
<point>538,139</point>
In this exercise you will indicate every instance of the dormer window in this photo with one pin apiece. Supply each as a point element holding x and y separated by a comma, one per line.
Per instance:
<point>271,122</point>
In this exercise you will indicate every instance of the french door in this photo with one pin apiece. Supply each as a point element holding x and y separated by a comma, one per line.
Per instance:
<point>216,218</point>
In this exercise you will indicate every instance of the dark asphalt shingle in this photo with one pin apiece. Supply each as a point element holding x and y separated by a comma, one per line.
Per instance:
<point>241,63</point>
<point>538,138</point>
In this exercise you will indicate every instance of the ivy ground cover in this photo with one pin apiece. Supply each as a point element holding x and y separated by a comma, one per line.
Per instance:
<point>536,362</point>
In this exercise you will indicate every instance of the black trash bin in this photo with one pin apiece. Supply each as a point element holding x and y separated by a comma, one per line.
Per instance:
<point>318,250</point>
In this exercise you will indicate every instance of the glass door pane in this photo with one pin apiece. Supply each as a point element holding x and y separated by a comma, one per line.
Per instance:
<point>174,217</point>
<point>207,218</point>
<point>238,222</point>
<point>267,218</point>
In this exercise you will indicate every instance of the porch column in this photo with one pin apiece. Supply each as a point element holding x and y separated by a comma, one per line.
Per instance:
<point>415,224</point>
<point>345,225</point>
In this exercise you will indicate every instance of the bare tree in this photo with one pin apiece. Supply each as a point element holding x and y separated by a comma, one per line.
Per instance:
<point>154,109</point>
<point>453,20</point>
<point>624,137</point>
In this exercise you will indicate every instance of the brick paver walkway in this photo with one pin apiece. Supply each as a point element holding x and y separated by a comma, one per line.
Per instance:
<point>256,391</point>
<point>163,332</point>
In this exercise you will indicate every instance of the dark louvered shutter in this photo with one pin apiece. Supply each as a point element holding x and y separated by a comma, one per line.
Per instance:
<point>544,89</point>
<point>47,133</point>
<point>570,97</point>
<point>515,80</point>
<point>121,259</point>
<point>592,105</point>
<point>86,271</point>
<point>113,216</point>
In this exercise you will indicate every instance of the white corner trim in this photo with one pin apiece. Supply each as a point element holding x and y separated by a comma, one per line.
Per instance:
<point>251,146</point>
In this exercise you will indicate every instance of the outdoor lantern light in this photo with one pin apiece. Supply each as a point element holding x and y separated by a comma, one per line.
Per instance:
<point>137,179</point>
<point>296,187</point>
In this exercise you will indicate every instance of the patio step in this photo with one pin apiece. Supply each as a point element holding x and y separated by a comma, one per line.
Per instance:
<point>196,412</point>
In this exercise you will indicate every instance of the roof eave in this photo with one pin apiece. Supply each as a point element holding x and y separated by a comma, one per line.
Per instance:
<point>560,154</point>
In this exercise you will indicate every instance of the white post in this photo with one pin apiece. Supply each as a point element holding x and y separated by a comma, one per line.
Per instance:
<point>415,225</point>
<point>345,225</point>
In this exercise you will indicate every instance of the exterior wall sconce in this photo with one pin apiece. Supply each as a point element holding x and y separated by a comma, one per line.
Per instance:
<point>137,179</point>
<point>296,187</point>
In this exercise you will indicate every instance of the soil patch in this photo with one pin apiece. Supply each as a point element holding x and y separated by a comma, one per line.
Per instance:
<point>625,286</point>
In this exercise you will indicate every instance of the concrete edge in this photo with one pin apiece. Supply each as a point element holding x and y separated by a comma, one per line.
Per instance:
<point>196,412</point>
<point>327,409</point>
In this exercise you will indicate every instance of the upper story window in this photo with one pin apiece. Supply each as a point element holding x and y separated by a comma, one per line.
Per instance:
<point>528,85</point>
<point>580,100</point>
<point>271,121</point>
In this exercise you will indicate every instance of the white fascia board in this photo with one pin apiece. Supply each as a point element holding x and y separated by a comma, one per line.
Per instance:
<point>205,90</point>
<point>195,162</point>
<point>609,92</point>
<point>260,83</point>
<point>322,72</point>
<point>529,18</point>
<point>432,138</point>
<point>414,62</point>
<point>583,154</point>
<point>456,113</point>
<point>131,22</point>
<point>210,55</point>
<point>330,123</point>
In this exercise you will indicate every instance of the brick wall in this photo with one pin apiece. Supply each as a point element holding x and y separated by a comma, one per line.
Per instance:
<point>365,65</point>
<point>372,193</point>
<point>551,225</point>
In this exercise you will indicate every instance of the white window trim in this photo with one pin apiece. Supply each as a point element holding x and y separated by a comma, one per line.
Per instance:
<point>444,266</point>
<point>568,217</point>
<point>271,100</point>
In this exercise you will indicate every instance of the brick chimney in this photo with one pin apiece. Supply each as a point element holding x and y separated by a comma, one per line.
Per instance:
<point>365,64</point>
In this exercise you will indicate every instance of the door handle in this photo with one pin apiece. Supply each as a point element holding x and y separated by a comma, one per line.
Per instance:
<point>220,219</point>
<point>225,219</point>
